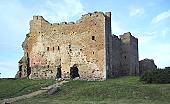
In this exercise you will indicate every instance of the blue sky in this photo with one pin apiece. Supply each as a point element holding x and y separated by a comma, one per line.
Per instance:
<point>148,20</point>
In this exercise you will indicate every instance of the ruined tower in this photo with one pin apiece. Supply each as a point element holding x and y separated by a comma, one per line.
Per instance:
<point>130,59</point>
<point>85,49</point>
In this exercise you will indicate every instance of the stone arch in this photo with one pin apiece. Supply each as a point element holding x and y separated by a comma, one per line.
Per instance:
<point>74,71</point>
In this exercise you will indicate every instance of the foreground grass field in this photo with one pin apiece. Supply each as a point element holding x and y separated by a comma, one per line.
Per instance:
<point>125,90</point>
<point>15,87</point>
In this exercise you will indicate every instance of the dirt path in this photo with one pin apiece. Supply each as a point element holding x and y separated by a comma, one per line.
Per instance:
<point>42,90</point>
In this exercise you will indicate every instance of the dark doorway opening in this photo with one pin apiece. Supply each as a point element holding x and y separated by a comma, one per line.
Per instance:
<point>20,71</point>
<point>74,72</point>
<point>28,71</point>
<point>20,68</point>
<point>58,72</point>
<point>28,66</point>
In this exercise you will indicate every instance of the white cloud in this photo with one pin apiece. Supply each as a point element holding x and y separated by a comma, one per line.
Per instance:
<point>160,17</point>
<point>152,49</point>
<point>14,19</point>
<point>151,46</point>
<point>8,68</point>
<point>57,11</point>
<point>164,32</point>
<point>116,28</point>
<point>136,12</point>
<point>160,53</point>
<point>145,37</point>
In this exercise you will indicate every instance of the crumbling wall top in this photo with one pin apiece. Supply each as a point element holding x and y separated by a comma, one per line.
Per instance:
<point>146,59</point>
<point>35,18</point>
<point>128,35</point>
<point>96,13</point>
<point>83,17</point>
<point>115,36</point>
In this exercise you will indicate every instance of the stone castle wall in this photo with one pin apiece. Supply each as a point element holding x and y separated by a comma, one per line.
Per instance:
<point>67,44</point>
<point>115,56</point>
<point>87,45</point>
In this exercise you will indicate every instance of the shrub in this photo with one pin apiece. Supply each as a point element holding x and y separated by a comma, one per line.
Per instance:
<point>157,76</point>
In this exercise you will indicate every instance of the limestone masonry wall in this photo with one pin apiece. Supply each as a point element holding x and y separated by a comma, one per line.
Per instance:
<point>85,49</point>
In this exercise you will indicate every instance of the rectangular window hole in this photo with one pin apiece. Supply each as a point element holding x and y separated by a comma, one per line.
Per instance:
<point>48,48</point>
<point>58,48</point>
<point>93,37</point>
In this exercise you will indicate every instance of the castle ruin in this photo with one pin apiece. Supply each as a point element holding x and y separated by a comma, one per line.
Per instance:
<point>146,65</point>
<point>85,49</point>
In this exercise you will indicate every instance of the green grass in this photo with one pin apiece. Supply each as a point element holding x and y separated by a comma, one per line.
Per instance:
<point>125,90</point>
<point>15,87</point>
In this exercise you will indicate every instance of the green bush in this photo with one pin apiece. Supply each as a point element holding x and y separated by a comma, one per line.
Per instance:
<point>157,76</point>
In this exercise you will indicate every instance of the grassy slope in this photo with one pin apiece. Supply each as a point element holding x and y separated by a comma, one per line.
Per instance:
<point>125,90</point>
<point>16,87</point>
